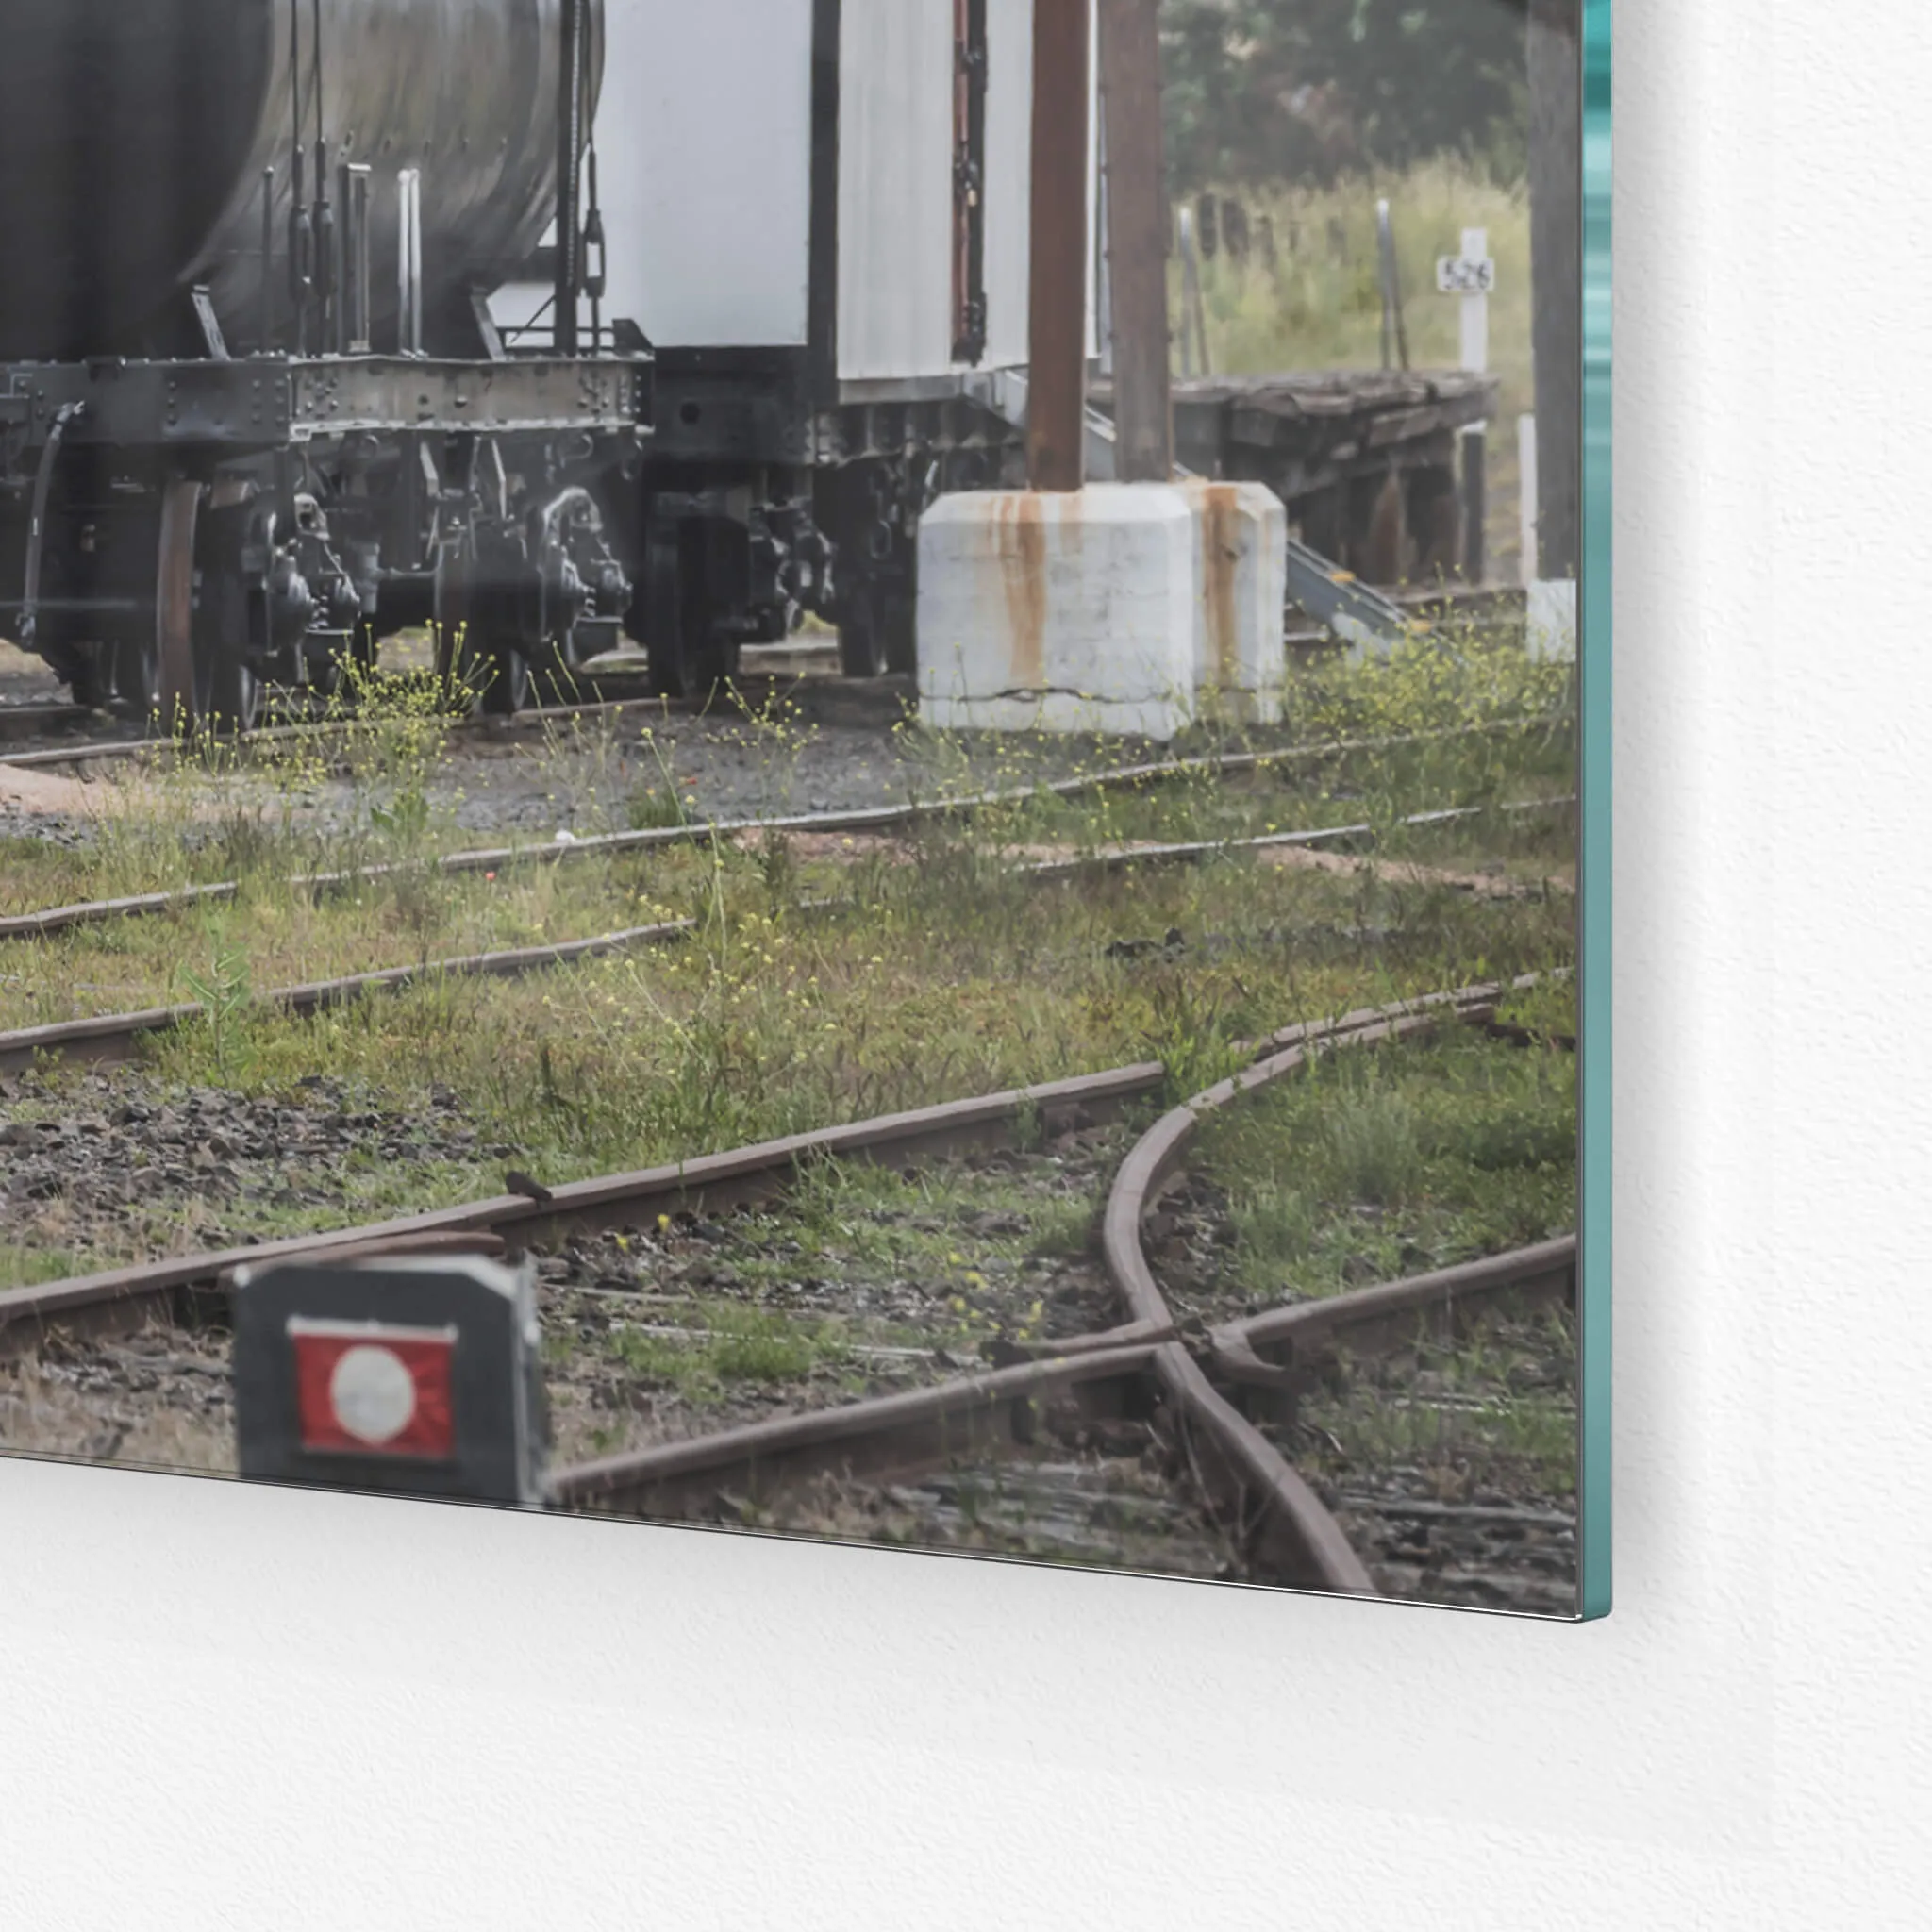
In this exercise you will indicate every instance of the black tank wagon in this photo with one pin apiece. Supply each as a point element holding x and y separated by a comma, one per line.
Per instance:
<point>254,412</point>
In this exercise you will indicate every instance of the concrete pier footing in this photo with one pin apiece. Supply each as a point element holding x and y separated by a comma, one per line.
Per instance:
<point>1120,608</point>
<point>1240,661</point>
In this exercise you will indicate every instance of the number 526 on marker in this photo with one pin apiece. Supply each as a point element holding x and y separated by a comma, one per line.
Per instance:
<point>1460,274</point>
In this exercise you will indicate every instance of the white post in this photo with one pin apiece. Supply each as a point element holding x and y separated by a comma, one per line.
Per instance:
<point>1194,307</point>
<point>1385,254</point>
<point>1526,464</point>
<point>1475,444</point>
<point>1476,307</point>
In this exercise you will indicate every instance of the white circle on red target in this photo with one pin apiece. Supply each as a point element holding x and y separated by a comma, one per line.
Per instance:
<point>373,1394</point>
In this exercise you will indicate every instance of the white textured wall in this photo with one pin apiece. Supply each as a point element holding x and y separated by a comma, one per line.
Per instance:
<point>708,237</point>
<point>1009,180</point>
<point>895,220</point>
<point>225,1708</point>
<point>895,189</point>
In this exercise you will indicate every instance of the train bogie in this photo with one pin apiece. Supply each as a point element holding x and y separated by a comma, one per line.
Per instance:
<point>141,148</point>
<point>543,322</point>
<point>253,415</point>
<point>818,214</point>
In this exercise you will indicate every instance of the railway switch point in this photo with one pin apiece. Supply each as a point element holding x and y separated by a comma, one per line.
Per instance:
<point>1060,611</point>
<point>421,1377</point>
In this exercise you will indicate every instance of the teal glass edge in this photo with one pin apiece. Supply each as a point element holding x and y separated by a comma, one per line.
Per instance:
<point>1593,665</point>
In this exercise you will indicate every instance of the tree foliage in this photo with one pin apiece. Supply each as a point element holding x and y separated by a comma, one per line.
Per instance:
<point>1262,91</point>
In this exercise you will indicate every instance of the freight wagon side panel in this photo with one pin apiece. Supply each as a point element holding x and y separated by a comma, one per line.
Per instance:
<point>895,189</point>
<point>704,140</point>
<point>1010,186</point>
<point>1009,180</point>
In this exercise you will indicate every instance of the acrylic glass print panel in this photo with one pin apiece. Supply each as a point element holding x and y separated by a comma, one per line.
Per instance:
<point>823,767</point>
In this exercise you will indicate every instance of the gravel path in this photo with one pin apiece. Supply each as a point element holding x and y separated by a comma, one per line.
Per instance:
<point>103,1167</point>
<point>1451,1467</point>
<point>842,755</point>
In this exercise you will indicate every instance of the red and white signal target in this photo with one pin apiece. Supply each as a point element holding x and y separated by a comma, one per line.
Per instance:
<point>363,1389</point>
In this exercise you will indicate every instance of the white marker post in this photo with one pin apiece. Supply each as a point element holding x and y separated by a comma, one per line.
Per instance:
<point>1473,276</point>
<point>1475,303</point>
<point>1526,465</point>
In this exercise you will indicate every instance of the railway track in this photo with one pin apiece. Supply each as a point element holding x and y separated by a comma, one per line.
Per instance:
<point>119,1036</point>
<point>611,694</point>
<point>615,688</point>
<point>1072,1438</point>
<point>873,821</point>
<point>1249,1378</point>
<point>29,721</point>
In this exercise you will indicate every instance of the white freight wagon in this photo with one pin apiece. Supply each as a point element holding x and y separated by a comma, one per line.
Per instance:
<point>816,212</point>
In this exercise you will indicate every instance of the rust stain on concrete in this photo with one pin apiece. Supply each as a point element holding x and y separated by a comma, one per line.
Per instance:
<point>1221,553</point>
<point>1020,531</point>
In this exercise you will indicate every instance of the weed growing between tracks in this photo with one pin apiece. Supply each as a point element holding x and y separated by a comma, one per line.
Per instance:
<point>1445,1445</point>
<point>827,978</point>
<point>861,1281</point>
<point>931,974</point>
<point>1376,1163</point>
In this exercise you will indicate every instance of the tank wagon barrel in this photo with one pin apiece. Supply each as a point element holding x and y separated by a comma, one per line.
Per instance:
<point>548,321</point>
<point>136,143</point>
<point>254,412</point>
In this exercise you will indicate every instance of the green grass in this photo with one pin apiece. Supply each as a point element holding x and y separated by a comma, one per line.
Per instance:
<point>35,1267</point>
<point>1493,1407</point>
<point>731,1346</point>
<point>931,979</point>
<point>272,934</point>
<point>1317,309</point>
<point>1376,1163</point>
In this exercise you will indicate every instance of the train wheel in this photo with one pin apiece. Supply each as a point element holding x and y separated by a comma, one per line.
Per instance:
<point>167,671</point>
<point>499,674</point>
<point>135,666</point>
<point>228,692</point>
<point>878,633</point>
<point>347,673</point>
<point>490,675</point>
<point>862,637</point>
<point>92,677</point>
<point>688,657</point>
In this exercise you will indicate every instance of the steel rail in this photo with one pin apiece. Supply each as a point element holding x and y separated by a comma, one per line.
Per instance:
<point>714,1181</point>
<point>1283,1523</point>
<point>788,668</point>
<point>25,721</point>
<point>1298,1334</point>
<point>326,731</point>
<point>888,1437</point>
<point>118,1035</point>
<point>114,1037</point>
<point>1116,860</point>
<point>116,1298</point>
<point>1291,1536</point>
<point>872,819</point>
<point>778,665</point>
<point>1281,1517</point>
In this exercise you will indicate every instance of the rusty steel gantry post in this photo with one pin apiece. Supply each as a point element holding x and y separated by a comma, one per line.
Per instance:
<point>1063,141</point>
<point>1136,239</point>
